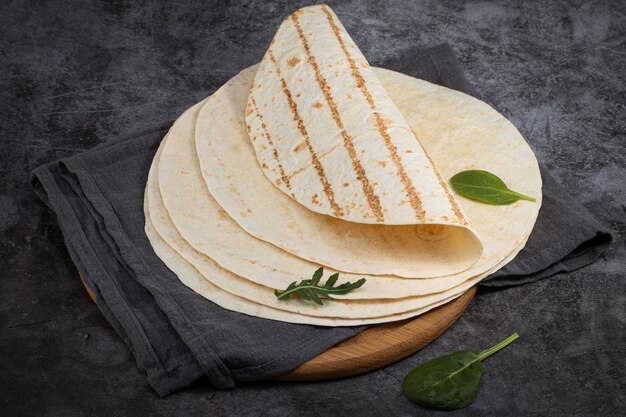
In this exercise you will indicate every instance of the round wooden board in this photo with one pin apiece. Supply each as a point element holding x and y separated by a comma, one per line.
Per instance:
<point>377,346</point>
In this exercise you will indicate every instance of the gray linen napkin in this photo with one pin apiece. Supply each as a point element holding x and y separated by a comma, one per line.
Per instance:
<point>177,336</point>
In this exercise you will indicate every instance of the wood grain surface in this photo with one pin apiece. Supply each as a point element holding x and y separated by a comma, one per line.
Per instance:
<point>377,346</point>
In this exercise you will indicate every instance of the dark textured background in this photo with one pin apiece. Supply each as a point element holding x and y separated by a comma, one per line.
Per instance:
<point>75,74</point>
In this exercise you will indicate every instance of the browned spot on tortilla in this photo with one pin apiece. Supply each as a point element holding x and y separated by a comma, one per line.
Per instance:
<point>253,105</point>
<point>345,184</point>
<point>299,147</point>
<point>382,127</point>
<point>408,151</point>
<point>431,232</point>
<point>314,200</point>
<point>317,105</point>
<point>264,165</point>
<point>252,261</point>
<point>305,134</point>
<point>382,164</point>
<point>248,128</point>
<point>296,172</point>
<point>372,198</point>
<point>293,61</point>
<point>249,112</point>
<point>243,214</point>
<point>222,213</point>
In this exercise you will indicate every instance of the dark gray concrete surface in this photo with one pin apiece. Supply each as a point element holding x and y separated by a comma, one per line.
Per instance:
<point>75,74</point>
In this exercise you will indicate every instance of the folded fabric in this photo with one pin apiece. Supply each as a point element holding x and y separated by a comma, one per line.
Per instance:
<point>178,336</point>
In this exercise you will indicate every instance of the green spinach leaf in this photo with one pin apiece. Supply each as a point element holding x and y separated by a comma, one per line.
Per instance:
<point>449,382</point>
<point>485,187</point>
<point>311,290</point>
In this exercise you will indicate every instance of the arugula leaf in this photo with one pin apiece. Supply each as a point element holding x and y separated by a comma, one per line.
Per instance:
<point>311,290</point>
<point>485,187</point>
<point>449,382</point>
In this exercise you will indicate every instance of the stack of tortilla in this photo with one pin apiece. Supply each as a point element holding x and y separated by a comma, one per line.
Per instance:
<point>313,158</point>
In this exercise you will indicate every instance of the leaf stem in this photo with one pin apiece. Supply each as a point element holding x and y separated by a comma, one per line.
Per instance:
<point>288,292</point>
<point>525,197</point>
<point>486,353</point>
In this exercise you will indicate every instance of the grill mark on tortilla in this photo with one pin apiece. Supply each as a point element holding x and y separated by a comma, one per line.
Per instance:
<point>316,163</point>
<point>368,190</point>
<point>283,176</point>
<point>455,207</point>
<point>409,189</point>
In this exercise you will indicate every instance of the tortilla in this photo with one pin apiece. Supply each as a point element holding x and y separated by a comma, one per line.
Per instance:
<point>459,131</point>
<point>210,231</point>
<point>319,118</point>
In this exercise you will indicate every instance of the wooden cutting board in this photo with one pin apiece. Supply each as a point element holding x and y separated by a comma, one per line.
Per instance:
<point>377,346</point>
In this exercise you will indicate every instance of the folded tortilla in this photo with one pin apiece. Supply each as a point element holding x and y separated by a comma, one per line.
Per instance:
<point>327,133</point>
